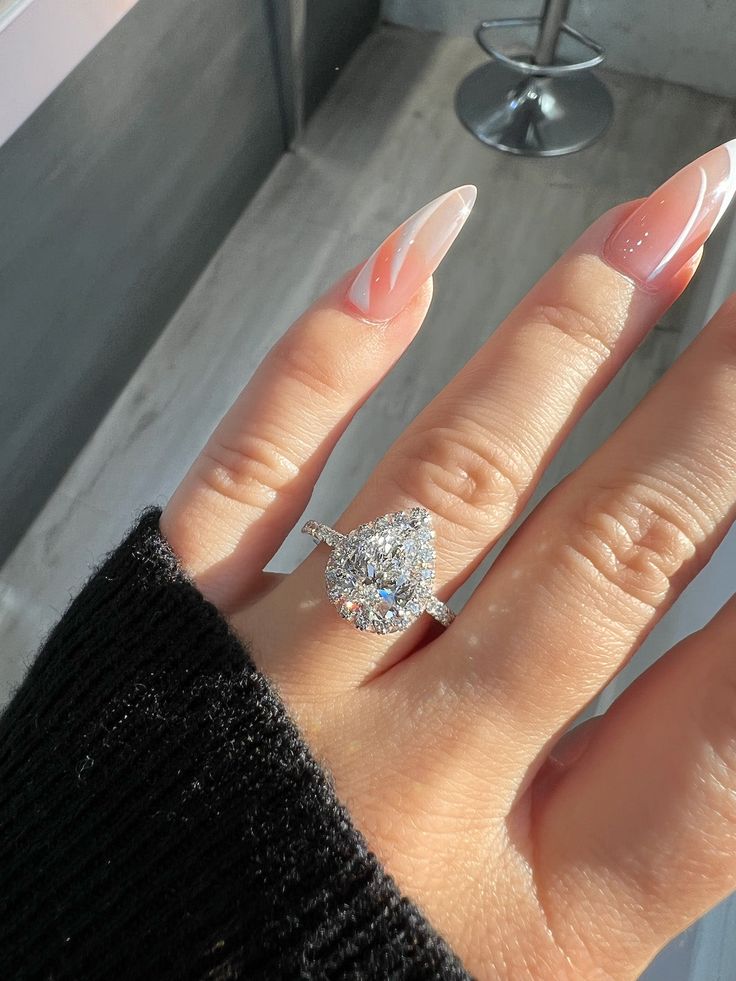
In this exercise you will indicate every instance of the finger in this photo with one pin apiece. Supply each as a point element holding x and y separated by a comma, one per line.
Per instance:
<point>638,838</point>
<point>473,457</point>
<point>599,562</point>
<point>255,475</point>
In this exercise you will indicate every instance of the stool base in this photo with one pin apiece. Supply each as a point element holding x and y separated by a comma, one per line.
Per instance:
<point>534,116</point>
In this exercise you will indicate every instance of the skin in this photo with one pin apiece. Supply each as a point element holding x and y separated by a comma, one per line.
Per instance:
<point>535,858</point>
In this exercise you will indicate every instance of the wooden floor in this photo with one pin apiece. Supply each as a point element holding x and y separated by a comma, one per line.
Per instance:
<point>384,143</point>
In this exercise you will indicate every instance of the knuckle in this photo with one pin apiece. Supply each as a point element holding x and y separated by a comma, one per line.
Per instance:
<point>572,322</point>
<point>460,476</point>
<point>309,367</point>
<point>636,539</point>
<point>254,471</point>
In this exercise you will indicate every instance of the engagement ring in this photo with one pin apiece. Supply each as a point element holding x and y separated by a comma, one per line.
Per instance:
<point>380,576</point>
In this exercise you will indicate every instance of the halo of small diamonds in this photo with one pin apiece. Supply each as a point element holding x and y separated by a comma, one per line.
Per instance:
<point>381,575</point>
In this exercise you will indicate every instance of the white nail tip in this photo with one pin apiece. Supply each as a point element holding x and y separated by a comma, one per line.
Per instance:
<point>730,183</point>
<point>360,291</point>
<point>409,231</point>
<point>685,233</point>
<point>710,193</point>
<point>469,192</point>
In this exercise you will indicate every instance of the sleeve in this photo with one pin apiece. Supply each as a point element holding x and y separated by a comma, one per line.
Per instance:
<point>161,817</point>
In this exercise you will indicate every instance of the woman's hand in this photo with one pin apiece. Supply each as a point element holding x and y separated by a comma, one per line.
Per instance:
<point>535,859</point>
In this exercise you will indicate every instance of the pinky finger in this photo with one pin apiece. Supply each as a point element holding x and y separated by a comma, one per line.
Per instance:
<point>637,837</point>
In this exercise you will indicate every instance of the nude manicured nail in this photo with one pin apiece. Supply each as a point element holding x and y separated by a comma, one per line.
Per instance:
<point>669,227</point>
<point>410,255</point>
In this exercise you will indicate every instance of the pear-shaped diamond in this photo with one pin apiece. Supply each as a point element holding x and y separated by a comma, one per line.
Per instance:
<point>381,575</point>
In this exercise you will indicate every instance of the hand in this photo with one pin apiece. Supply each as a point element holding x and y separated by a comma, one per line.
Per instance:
<point>534,859</point>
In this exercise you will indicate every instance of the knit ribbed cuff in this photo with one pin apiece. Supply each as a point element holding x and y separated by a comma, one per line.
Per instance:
<point>160,815</point>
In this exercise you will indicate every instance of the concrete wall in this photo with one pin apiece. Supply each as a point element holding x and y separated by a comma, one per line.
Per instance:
<point>334,28</point>
<point>114,195</point>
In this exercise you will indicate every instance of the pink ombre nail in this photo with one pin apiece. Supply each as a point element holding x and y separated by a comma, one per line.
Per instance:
<point>670,226</point>
<point>410,255</point>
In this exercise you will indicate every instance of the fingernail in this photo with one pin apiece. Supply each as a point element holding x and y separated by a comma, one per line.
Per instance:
<point>572,745</point>
<point>410,255</point>
<point>669,227</point>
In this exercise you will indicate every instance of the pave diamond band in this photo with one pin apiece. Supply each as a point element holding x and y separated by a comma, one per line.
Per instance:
<point>381,575</point>
<point>323,533</point>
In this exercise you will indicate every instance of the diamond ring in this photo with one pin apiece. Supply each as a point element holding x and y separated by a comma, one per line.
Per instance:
<point>380,576</point>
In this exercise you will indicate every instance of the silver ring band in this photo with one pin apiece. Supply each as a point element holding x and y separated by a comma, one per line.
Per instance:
<point>380,576</point>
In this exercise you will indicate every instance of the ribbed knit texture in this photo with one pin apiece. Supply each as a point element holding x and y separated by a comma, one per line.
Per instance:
<point>160,816</point>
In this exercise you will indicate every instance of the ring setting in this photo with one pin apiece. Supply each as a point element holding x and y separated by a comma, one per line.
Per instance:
<point>381,575</point>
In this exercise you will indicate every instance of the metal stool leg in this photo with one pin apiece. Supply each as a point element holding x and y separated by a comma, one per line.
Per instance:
<point>550,28</point>
<point>540,106</point>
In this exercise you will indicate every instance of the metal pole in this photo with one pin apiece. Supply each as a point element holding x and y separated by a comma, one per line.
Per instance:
<point>553,15</point>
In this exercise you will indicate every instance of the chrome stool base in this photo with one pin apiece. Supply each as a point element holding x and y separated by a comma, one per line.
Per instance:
<point>536,115</point>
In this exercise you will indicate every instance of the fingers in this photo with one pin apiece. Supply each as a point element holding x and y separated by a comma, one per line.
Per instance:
<point>253,479</point>
<point>601,559</point>
<point>638,838</point>
<point>473,457</point>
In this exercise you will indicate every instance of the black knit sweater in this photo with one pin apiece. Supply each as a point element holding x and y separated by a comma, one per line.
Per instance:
<point>160,816</point>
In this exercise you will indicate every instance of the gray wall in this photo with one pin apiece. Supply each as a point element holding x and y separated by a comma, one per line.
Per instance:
<point>114,195</point>
<point>689,42</point>
<point>334,29</point>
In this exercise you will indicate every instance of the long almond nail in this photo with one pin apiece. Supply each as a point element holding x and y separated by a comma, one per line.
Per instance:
<point>410,255</point>
<point>669,227</point>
